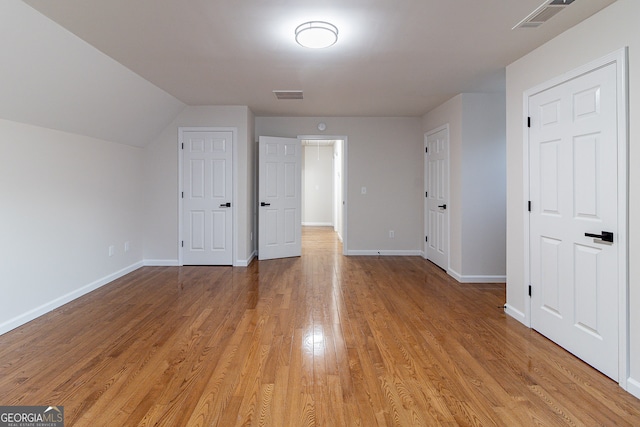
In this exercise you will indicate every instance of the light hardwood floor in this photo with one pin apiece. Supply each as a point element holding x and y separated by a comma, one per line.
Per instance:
<point>320,340</point>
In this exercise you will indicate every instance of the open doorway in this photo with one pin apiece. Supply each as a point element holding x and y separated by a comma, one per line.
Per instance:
<point>323,180</point>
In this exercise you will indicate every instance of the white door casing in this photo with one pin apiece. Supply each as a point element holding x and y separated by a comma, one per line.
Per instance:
<point>279,198</point>
<point>207,197</point>
<point>437,196</point>
<point>576,180</point>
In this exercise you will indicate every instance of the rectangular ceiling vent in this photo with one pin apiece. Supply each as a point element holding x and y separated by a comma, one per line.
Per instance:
<point>288,94</point>
<point>542,14</point>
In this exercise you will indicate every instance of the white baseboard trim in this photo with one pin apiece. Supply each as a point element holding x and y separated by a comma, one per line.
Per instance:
<point>64,299</point>
<point>633,387</point>
<point>317,224</point>
<point>161,263</point>
<point>246,262</point>
<point>516,314</point>
<point>383,252</point>
<point>454,274</point>
<point>476,279</point>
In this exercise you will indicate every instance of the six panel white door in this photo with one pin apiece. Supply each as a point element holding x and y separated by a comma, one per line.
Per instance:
<point>280,198</point>
<point>207,208</point>
<point>573,190</point>
<point>437,185</point>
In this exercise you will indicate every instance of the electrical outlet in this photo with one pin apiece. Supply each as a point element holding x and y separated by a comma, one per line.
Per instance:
<point>392,234</point>
<point>112,250</point>
<point>127,246</point>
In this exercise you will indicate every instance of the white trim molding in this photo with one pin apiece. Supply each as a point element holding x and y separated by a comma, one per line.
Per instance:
<point>516,314</point>
<point>345,182</point>
<point>425,221</point>
<point>384,252</point>
<point>161,263</point>
<point>620,59</point>
<point>64,299</point>
<point>477,278</point>
<point>633,387</point>
<point>246,262</point>
<point>234,202</point>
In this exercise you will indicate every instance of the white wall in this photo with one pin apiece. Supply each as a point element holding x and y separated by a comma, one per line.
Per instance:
<point>317,186</point>
<point>484,187</point>
<point>70,193</point>
<point>65,199</point>
<point>338,173</point>
<point>161,182</point>
<point>609,30</point>
<point>381,155</point>
<point>477,184</point>
<point>51,78</point>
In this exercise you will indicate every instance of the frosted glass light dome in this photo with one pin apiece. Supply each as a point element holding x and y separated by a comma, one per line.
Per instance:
<point>316,34</point>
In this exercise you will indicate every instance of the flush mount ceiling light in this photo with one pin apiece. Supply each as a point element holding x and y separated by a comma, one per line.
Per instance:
<point>316,34</point>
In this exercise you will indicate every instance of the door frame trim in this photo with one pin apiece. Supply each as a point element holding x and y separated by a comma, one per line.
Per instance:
<point>620,59</point>
<point>427,134</point>
<point>345,182</point>
<point>234,184</point>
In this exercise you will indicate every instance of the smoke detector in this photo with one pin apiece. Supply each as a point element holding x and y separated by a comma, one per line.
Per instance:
<point>542,14</point>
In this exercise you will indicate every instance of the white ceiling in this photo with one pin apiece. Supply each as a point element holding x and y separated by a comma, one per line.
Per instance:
<point>393,58</point>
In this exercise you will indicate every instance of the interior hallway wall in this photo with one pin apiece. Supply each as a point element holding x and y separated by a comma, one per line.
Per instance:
<point>381,156</point>
<point>317,186</point>
<point>161,182</point>
<point>477,184</point>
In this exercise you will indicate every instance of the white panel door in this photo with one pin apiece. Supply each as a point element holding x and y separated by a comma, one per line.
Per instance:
<point>573,190</point>
<point>437,195</point>
<point>207,209</point>
<point>280,197</point>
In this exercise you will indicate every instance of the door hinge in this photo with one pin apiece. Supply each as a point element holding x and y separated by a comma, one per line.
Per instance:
<point>426,149</point>
<point>529,290</point>
<point>528,122</point>
<point>182,243</point>
<point>426,238</point>
<point>529,205</point>
<point>183,145</point>
<point>183,194</point>
<point>426,194</point>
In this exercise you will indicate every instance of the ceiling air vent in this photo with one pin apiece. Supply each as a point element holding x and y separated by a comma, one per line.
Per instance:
<point>546,11</point>
<point>288,94</point>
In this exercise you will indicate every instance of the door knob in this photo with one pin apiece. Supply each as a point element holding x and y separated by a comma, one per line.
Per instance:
<point>225,205</point>
<point>443,206</point>
<point>265,204</point>
<point>606,236</point>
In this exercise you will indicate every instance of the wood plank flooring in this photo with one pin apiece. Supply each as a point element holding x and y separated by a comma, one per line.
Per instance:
<point>320,340</point>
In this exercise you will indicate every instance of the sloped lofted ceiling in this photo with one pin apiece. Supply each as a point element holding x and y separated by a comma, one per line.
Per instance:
<point>51,78</point>
<point>393,58</point>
